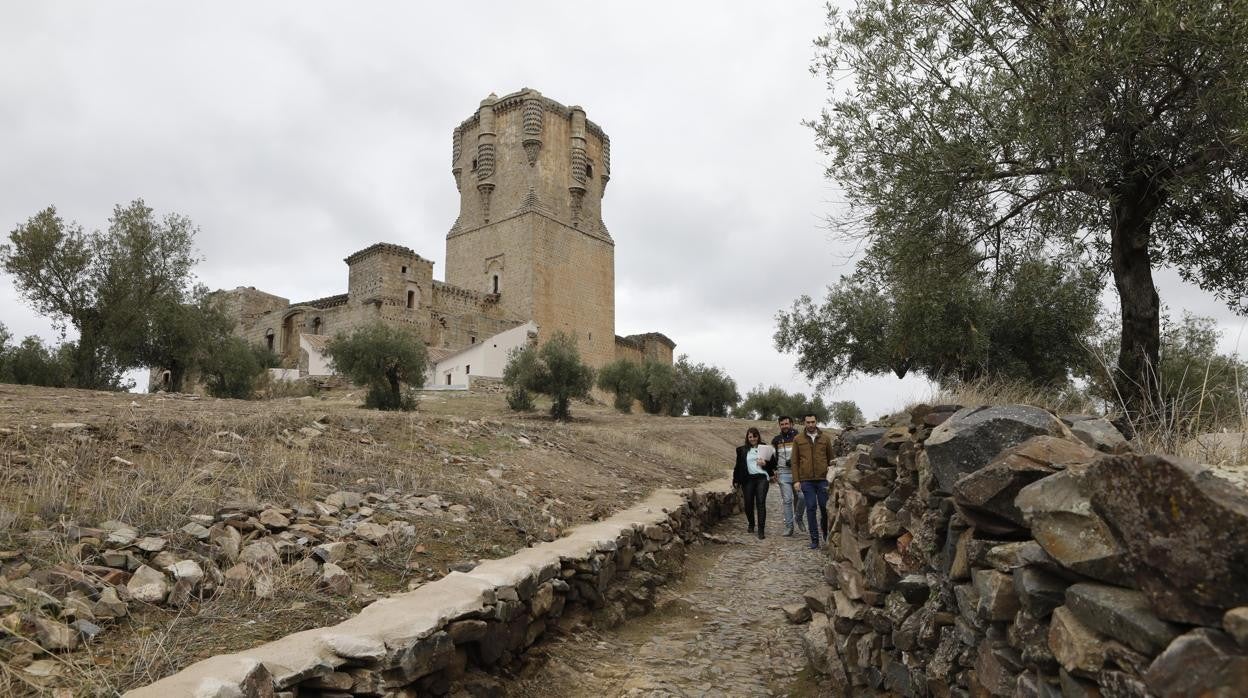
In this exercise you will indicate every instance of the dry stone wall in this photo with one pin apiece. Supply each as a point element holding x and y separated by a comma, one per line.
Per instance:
<point>1002,551</point>
<point>422,642</point>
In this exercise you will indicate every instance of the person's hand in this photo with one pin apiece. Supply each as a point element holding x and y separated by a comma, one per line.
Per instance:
<point>797,487</point>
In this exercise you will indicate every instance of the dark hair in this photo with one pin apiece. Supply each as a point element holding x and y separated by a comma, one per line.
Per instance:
<point>783,417</point>
<point>754,431</point>
<point>810,414</point>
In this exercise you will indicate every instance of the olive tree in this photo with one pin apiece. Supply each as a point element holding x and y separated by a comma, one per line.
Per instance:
<point>384,359</point>
<point>1111,131</point>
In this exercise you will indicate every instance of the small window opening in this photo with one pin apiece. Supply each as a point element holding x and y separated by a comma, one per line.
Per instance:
<point>467,369</point>
<point>316,325</point>
<point>495,284</point>
<point>472,340</point>
<point>404,270</point>
<point>474,164</point>
<point>411,299</point>
<point>448,378</point>
<point>269,342</point>
<point>591,336</point>
<point>589,169</point>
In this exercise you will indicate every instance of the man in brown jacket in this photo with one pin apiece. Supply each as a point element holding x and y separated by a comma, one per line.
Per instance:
<point>812,455</point>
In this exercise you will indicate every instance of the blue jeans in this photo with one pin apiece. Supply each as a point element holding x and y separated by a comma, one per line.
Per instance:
<point>816,493</point>
<point>792,509</point>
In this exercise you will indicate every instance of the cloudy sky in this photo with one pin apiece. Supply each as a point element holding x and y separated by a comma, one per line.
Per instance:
<point>294,133</point>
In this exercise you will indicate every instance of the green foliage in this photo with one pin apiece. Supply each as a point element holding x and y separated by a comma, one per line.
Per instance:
<point>555,370</point>
<point>624,379</point>
<point>657,390</point>
<point>383,359</point>
<point>846,414</point>
<point>1031,323</point>
<point>770,403</point>
<point>969,133</point>
<point>702,390</point>
<point>1201,389</point>
<point>106,285</point>
<point>520,400</point>
<point>232,367</point>
<point>34,363</point>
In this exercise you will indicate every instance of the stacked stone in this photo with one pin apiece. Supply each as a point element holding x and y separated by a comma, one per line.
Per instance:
<point>1002,551</point>
<point>430,639</point>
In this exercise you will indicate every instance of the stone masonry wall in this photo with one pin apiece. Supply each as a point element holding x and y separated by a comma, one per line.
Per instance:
<point>1002,551</point>
<point>423,641</point>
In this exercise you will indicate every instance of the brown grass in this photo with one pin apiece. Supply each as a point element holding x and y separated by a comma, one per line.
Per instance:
<point>572,473</point>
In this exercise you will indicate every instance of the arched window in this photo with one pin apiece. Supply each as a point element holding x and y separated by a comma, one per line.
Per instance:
<point>589,170</point>
<point>316,325</point>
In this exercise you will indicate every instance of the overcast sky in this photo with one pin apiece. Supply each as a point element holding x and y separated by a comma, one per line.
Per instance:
<point>294,133</point>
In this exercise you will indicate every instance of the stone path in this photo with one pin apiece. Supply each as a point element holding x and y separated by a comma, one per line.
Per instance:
<point>718,632</point>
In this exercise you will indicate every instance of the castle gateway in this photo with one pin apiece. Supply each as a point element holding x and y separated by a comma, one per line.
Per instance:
<point>529,248</point>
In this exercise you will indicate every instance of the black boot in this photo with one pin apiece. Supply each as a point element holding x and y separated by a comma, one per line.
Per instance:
<point>760,533</point>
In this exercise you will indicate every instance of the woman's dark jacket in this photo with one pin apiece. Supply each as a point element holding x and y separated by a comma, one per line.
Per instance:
<point>741,473</point>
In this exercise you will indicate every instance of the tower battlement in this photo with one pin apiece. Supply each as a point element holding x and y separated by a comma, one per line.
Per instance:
<point>525,152</point>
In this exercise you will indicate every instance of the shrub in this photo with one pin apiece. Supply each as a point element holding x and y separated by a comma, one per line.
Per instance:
<point>624,379</point>
<point>520,399</point>
<point>384,359</point>
<point>555,369</point>
<point>658,386</point>
<point>233,368</point>
<point>846,414</point>
<point>34,363</point>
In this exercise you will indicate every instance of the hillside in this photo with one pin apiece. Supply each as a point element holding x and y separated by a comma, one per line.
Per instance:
<point>139,533</point>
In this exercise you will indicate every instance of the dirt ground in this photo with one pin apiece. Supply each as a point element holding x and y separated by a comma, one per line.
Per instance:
<point>79,457</point>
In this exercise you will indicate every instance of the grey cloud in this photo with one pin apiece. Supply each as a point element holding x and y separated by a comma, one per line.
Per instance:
<point>294,133</point>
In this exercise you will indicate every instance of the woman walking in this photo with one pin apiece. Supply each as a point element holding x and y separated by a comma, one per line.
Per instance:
<point>752,472</point>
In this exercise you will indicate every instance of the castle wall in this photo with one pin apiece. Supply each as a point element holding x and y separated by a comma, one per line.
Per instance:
<point>504,247</point>
<point>574,288</point>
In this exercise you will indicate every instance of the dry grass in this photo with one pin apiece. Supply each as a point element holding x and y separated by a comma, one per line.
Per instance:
<point>1185,426</point>
<point>572,473</point>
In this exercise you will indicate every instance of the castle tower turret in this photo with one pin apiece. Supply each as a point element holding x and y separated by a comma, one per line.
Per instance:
<point>531,174</point>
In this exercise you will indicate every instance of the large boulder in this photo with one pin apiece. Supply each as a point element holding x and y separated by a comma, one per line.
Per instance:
<point>1185,531</point>
<point>992,489</point>
<point>1122,614</point>
<point>1101,434</point>
<point>1202,663</point>
<point>1059,511</point>
<point>974,436</point>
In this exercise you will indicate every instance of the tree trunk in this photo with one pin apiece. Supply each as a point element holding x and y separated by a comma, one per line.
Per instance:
<point>1137,376</point>
<point>396,391</point>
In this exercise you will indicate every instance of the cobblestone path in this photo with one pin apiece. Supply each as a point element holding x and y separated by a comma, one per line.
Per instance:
<point>717,632</point>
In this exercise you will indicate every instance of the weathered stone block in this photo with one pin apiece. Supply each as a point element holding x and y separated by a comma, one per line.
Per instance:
<point>1059,511</point>
<point>1039,592</point>
<point>1122,614</point>
<point>997,668</point>
<point>1185,529</point>
<point>1075,646</point>
<point>1203,662</point>
<point>997,600</point>
<point>974,436</point>
<point>992,489</point>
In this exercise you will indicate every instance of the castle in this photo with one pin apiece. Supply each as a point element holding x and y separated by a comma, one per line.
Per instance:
<point>528,249</point>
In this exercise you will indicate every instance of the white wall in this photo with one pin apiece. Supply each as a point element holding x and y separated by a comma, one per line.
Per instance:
<point>318,364</point>
<point>486,358</point>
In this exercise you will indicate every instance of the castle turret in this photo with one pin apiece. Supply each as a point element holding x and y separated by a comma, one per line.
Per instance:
<point>531,174</point>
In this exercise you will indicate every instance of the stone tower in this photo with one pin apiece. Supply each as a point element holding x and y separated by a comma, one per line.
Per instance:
<point>531,174</point>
